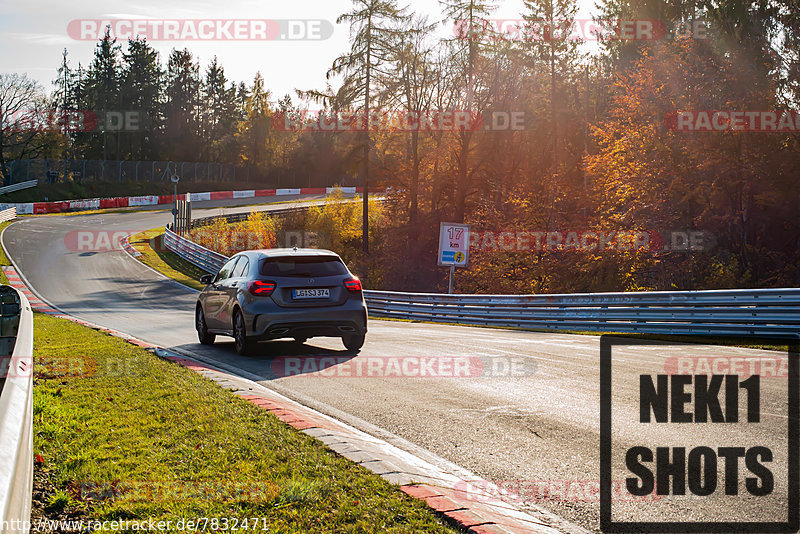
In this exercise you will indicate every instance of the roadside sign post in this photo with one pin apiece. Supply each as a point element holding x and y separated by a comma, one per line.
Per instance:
<point>453,248</point>
<point>452,274</point>
<point>175,179</point>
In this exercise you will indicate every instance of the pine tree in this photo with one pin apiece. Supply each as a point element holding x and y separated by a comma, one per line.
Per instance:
<point>102,88</point>
<point>371,40</point>
<point>142,89</point>
<point>254,130</point>
<point>220,117</point>
<point>183,97</point>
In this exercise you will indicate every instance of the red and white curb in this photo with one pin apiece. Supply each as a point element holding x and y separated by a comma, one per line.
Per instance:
<point>37,304</point>
<point>125,243</point>
<point>464,499</point>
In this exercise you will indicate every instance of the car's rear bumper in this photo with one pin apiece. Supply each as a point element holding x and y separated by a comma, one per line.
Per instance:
<point>300,331</point>
<point>335,321</point>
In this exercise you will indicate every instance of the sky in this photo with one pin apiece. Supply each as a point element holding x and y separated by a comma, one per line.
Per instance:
<point>34,33</point>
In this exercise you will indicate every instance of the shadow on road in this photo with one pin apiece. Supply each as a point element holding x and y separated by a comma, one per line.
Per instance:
<point>276,359</point>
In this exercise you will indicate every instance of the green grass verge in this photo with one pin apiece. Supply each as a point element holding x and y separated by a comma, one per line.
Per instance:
<point>175,445</point>
<point>151,244</point>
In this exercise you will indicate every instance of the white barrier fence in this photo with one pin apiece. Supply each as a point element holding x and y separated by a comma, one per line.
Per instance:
<point>8,215</point>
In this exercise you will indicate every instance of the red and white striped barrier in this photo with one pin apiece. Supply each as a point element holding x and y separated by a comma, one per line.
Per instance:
<point>36,208</point>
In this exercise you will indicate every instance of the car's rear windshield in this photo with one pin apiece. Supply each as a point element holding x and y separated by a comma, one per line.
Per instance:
<point>303,266</point>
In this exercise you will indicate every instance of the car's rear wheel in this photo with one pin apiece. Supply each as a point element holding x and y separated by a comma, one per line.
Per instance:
<point>243,344</point>
<point>354,341</point>
<point>202,330</point>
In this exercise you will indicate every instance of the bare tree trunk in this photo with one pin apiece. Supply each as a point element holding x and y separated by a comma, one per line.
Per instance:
<point>553,112</point>
<point>365,181</point>
<point>414,189</point>
<point>462,177</point>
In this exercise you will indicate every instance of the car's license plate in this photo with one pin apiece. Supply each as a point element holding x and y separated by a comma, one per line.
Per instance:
<point>311,293</point>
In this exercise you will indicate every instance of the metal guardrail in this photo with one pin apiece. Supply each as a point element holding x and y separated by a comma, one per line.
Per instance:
<point>717,312</point>
<point>195,254</point>
<point>19,186</point>
<point>8,215</point>
<point>16,410</point>
<point>239,217</point>
<point>725,312</point>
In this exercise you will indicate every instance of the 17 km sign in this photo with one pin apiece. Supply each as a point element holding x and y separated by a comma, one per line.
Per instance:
<point>453,244</point>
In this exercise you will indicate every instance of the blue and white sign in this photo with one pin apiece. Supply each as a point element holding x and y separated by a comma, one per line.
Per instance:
<point>454,244</point>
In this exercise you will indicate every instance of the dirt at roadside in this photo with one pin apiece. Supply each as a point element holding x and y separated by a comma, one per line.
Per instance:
<point>45,508</point>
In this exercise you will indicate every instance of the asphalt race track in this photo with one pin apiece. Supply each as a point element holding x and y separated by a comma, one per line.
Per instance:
<point>528,432</point>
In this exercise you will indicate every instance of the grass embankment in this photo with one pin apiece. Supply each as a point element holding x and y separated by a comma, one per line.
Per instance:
<point>155,255</point>
<point>146,438</point>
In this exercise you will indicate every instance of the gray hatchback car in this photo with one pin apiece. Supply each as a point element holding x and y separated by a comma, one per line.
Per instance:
<point>282,293</point>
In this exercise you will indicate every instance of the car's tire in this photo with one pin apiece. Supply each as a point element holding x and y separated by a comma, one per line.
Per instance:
<point>203,334</point>
<point>243,344</point>
<point>354,341</point>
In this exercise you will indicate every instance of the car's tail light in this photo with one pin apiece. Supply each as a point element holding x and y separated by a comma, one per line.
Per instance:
<point>353,284</point>
<point>261,289</point>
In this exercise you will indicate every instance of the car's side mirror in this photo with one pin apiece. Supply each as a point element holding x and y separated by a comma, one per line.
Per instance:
<point>206,279</point>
